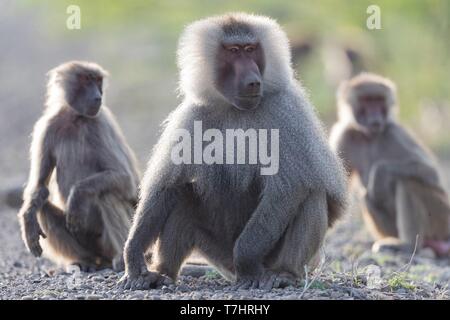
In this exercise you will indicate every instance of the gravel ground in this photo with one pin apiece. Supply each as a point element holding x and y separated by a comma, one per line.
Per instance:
<point>348,271</point>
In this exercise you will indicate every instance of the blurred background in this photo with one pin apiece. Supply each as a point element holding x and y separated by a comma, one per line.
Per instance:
<point>136,41</point>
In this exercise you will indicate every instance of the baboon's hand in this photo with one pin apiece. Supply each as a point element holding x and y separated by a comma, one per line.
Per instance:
<point>143,281</point>
<point>77,211</point>
<point>31,231</point>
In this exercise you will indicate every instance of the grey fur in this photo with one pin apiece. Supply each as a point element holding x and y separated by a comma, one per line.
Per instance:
<point>258,230</point>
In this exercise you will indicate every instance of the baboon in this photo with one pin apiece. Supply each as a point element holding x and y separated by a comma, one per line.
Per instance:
<point>403,193</point>
<point>259,230</point>
<point>82,187</point>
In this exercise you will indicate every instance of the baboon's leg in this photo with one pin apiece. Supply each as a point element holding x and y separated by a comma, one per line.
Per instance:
<point>380,222</point>
<point>180,236</point>
<point>63,247</point>
<point>438,212</point>
<point>411,218</point>
<point>216,254</point>
<point>429,217</point>
<point>116,217</point>
<point>411,214</point>
<point>174,245</point>
<point>302,239</point>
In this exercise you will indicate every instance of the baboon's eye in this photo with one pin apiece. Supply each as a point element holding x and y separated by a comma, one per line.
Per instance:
<point>250,48</point>
<point>82,79</point>
<point>233,49</point>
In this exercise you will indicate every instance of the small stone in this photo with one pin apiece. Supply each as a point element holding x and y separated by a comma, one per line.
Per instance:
<point>289,288</point>
<point>84,287</point>
<point>98,279</point>
<point>27,298</point>
<point>335,295</point>
<point>427,253</point>
<point>17,264</point>
<point>94,297</point>
<point>106,271</point>
<point>166,289</point>
<point>196,296</point>
<point>138,296</point>
<point>73,269</point>
<point>183,288</point>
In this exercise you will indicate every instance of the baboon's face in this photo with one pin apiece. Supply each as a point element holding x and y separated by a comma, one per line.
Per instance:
<point>84,92</point>
<point>239,72</point>
<point>371,112</point>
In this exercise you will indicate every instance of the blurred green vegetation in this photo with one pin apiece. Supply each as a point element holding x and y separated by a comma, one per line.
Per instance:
<point>412,48</point>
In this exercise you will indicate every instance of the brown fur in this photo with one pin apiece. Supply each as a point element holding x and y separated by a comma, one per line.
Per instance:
<point>83,180</point>
<point>403,193</point>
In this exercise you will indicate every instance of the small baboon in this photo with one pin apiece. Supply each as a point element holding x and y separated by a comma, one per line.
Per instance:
<point>406,205</point>
<point>261,230</point>
<point>82,186</point>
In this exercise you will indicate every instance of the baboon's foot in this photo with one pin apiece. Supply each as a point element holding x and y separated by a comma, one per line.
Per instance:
<point>269,280</point>
<point>143,281</point>
<point>83,266</point>
<point>391,246</point>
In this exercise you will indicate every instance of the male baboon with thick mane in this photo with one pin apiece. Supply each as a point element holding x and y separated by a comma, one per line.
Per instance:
<point>403,192</point>
<point>258,229</point>
<point>83,180</point>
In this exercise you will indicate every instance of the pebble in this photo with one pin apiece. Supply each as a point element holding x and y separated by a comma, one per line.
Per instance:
<point>335,295</point>
<point>427,253</point>
<point>196,296</point>
<point>166,289</point>
<point>94,297</point>
<point>98,279</point>
<point>138,296</point>
<point>183,288</point>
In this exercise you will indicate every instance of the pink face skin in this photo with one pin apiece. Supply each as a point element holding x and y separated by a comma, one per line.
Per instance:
<point>240,69</point>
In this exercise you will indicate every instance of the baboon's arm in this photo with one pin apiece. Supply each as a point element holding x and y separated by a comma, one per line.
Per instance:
<point>415,169</point>
<point>107,181</point>
<point>36,191</point>
<point>35,195</point>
